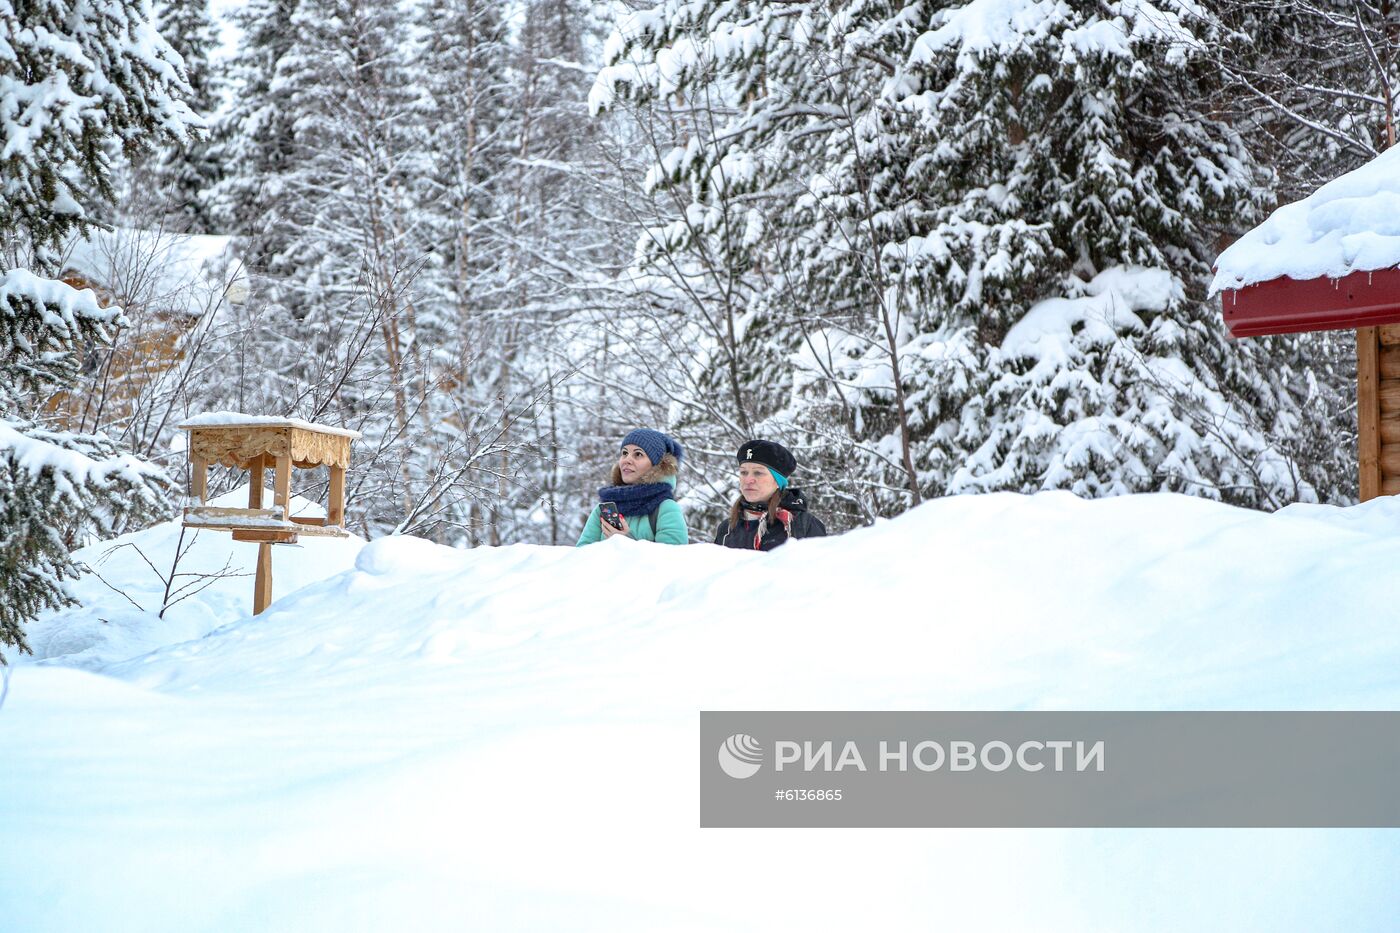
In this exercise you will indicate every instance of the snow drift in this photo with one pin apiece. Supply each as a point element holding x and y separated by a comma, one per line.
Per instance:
<point>507,737</point>
<point>123,587</point>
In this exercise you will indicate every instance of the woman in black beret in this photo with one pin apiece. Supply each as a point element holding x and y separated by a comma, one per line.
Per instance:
<point>769,510</point>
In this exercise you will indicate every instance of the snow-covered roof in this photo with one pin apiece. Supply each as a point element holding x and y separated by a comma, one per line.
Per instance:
<point>216,419</point>
<point>160,271</point>
<point>1350,224</point>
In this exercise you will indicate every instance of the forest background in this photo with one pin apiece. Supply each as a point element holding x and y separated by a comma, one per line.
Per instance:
<point>934,247</point>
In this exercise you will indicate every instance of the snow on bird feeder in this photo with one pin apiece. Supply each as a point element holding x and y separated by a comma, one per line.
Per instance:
<point>1332,261</point>
<point>255,443</point>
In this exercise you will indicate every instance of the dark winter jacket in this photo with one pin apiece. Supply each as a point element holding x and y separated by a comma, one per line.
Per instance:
<point>799,524</point>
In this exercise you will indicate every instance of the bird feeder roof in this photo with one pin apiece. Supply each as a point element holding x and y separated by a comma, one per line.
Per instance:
<point>232,419</point>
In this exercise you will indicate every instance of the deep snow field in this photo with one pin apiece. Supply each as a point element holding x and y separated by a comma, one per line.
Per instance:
<point>419,738</point>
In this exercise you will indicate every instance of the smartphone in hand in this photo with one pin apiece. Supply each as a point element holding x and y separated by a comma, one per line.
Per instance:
<point>608,513</point>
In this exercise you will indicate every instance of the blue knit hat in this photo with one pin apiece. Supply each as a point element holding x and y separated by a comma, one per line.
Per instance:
<point>655,444</point>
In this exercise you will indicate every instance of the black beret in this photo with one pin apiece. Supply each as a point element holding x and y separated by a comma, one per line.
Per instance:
<point>772,455</point>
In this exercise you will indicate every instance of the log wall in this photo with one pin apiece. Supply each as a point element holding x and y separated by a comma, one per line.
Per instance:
<point>1378,409</point>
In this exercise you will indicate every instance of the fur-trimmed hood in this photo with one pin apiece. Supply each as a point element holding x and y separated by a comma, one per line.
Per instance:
<point>658,473</point>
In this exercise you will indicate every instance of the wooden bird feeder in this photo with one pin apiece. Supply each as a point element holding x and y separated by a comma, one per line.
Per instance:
<point>256,444</point>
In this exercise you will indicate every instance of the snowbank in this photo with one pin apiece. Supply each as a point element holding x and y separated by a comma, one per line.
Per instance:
<point>1351,224</point>
<point>507,737</point>
<point>124,587</point>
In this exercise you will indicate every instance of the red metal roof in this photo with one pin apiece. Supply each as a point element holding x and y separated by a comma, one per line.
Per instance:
<point>1292,306</point>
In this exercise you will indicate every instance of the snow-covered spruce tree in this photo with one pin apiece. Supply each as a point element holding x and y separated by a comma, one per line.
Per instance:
<point>997,254</point>
<point>56,487</point>
<point>182,176</point>
<point>461,64</point>
<point>253,143</point>
<point>1100,367</point>
<point>558,243</point>
<point>80,78</point>
<point>360,232</point>
<point>77,79</point>
<point>1312,86</point>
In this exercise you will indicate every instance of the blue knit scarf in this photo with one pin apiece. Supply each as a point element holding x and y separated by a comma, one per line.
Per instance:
<point>641,499</point>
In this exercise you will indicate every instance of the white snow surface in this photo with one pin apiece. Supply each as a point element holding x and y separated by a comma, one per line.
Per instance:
<point>232,418</point>
<point>1351,224</point>
<point>1003,27</point>
<point>60,304</point>
<point>1111,302</point>
<point>108,626</point>
<point>36,451</point>
<point>507,738</point>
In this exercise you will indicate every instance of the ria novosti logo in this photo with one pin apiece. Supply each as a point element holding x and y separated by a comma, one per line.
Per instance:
<point>740,755</point>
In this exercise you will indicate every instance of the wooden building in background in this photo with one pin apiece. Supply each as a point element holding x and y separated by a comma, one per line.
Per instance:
<point>170,287</point>
<point>1369,302</point>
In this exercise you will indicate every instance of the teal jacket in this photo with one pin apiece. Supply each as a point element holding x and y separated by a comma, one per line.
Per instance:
<point>670,524</point>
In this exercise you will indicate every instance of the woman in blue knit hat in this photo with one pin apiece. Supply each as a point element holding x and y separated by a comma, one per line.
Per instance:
<point>643,489</point>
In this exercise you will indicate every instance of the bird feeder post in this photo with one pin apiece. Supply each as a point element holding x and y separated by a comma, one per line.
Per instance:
<point>282,486</point>
<point>254,443</point>
<point>335,506</point>
<point>262,580</point>
<point>199,479</point>
<point>255,482</point>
